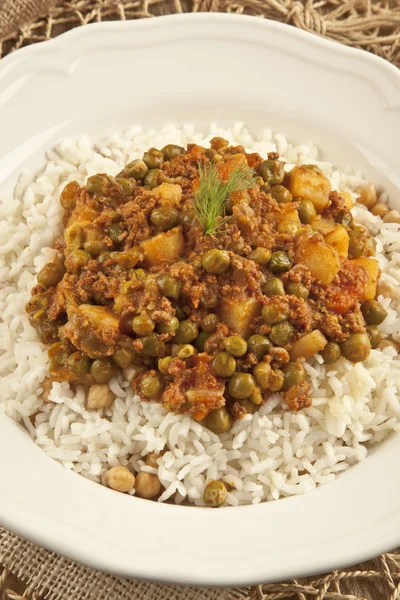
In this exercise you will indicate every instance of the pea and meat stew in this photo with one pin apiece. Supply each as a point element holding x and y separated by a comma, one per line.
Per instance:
<point>211,274</point>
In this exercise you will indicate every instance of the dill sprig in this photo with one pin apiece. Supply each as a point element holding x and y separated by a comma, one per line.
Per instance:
<point>210,199</point>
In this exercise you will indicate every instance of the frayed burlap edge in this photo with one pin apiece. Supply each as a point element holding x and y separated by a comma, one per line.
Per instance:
<point>370,24</point>
<point>29,572</point>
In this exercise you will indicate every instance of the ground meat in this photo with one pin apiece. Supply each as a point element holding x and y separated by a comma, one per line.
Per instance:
<point>301,315</point>
<point>279,357</point>
<point>92,306</point>
<point>337,208</point>
<point>329,325</point>
<point>298,396</point>
<point>298,274</point>
<point>214,343</point>
<point>195,389</point>
<point>346,289</point>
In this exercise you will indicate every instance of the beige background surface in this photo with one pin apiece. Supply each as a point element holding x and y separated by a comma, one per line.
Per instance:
<point>30,572</point>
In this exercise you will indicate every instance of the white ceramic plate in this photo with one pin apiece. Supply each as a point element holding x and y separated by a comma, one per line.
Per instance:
<point>199,68</point>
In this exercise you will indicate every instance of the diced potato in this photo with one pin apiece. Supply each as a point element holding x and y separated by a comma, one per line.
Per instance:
<point>310,185</point>
<point>82,214</point>
<point>99,396</point>
<point>239,313</point>
<point>338,238</point>
<point>92,329</point>
<point>372,268</point>
<point>168,193</point>
<point>322,260</point>
<point>291,215</point>
<point>308,345</point>
<point>164,248</point>
<point>322,225</point>
<point>348,199</point>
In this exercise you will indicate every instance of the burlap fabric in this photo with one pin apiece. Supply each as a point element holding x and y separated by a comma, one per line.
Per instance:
<point>31,573</point>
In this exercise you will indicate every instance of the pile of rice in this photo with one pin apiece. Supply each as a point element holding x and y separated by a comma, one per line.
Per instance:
<point>268,455</point>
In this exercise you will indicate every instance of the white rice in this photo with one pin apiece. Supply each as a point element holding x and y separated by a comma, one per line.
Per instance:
<point>268,455</point>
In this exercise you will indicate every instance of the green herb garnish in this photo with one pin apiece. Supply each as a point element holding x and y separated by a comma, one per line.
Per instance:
<point>210,199</point>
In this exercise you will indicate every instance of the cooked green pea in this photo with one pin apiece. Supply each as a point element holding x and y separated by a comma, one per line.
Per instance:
<point>153,158</point>
<point>136,168</point>
<point>356,348</point>
<point>201,340</point>
<point>224,364</point>
<point>272,171</point>
<point>141,274</point>
<point>163,364</point>
<point>375,336</point>
<point>259,345</point>
<point>143,324</point>
<point>272,314</point>
<point>169,286</point>
<point>273,287</point>
<point>373,312</point>
<point>79,364</point>
<point>115,231</point>
<point>280,262</point>
<point>262,373</point>
<point>102,370</point>
<point>294,373</point>
<point>96,185</point>
<point>210,299</point>
<point>276,380</point>
<point>124,357</point>
<point>179,312</point>
<point>261,256</point>
<point>241,385</point>
<point>281,194</point>
<point>247,404</point>
<point>361,243</point>
<point>58,356</point>
<point>95,247</point>
<point>281,333</point>
<point>152,345</point>
<point>52,273</point>
<point>185,351</point>
<point>169,327</point>
<point>153,178</point>
<point>297,289</point>
<point>215,494</point>
<point>235,345</point>
<point>331,353</point>
<point>164,217</point>
<point>152,384</point>
<point>69,195</point>
<point>171,150</point>
<point>306,211</point>
<point>347,220</point>
<point>218,420</point>
<point>209,322</point>
<point>77,259</point>
<point>126,186</point>
<point>187,332</point>
<point>216,261</point>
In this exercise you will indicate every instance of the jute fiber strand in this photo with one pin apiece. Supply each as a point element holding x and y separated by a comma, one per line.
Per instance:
<point>28,572</point>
